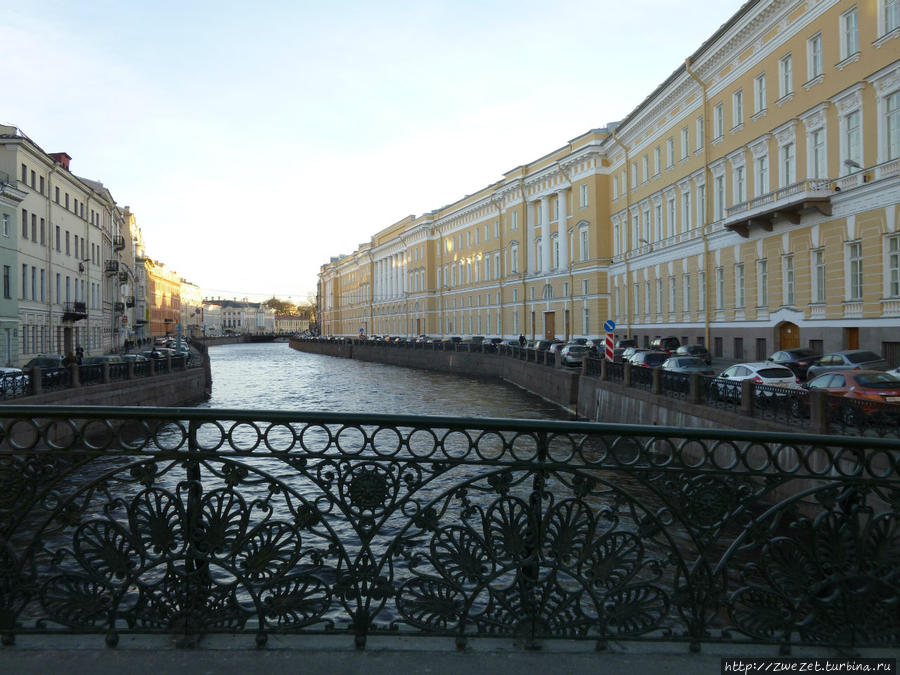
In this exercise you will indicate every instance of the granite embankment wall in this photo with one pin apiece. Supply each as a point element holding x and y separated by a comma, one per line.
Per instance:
<point>559,386</point>
<point>165,389</point>
<point>587,397</point>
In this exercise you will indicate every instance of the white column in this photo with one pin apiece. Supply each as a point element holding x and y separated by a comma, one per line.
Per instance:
<point>562,228</point>
<point>545,235</point>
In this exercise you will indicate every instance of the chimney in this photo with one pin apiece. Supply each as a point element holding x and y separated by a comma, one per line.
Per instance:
<point>63,158</point>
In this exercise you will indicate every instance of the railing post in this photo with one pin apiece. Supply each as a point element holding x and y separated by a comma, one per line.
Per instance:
<point>129,369</point>
<point>656,380</point>
<point>604,370</point>
<point>74,379</point>
<point>169,363</point>
<point>626,375</point>
<point>37,381</point>
<point>695,394</point>
<point>818,411</point>
<point>105,377</point>
<point>748,389</point>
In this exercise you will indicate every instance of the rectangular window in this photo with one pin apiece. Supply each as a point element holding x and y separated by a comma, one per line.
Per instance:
<point>854,254</point>
<point>890,16</point>
<point>700,133</point>
<point>583,191</point>
<point>645,169</point>
<point>24,174</point>
<point>67,201</point>
<point>68,247</point>
<point>514,220</point>
<point>740,185</point>
<point>759,94</point>
<point>849,33</point>
<point>739,348</point>
<point>720,288</point>
<point>615,187</point>
<point>893,266</point>
<point>719,197</point>
<point>57,238</point>
<point>788,165</point>
<point>818,277</point>
<point>657,154</point>
<point>701,290</point>
<point>659,297</point>
<point>892,124</point>
<point>684,142</point>
<point>762,175</point>
<point>701,205</point>
<point>34,295</point>
<point>786,76</point>
<point>4,225</point>
<point>687,293</point>
<point>762,283</point>
<point>670,151</point>
<point>634,175</point>
<point>24,282</point>
<point>789,280</point>
<point>685,211</point>
<point>43,232</point>
<point>718,121</point>
<point>817,166</point>
<point>737,108</point>
<point>7,291</point>
<point>42,185</point>
<point>24,224</point>
<point>739,295</point>
<point>852,141</point>
<point>583,236</point>
<point>673,289</point>
<point>814,56</point>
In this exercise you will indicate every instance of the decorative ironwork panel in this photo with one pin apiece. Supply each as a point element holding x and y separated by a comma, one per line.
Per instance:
<point>190,521</point>
<point>641,378</point>
<point>676,385</point>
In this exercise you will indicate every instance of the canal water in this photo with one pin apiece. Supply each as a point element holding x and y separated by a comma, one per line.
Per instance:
<point>272,376</point>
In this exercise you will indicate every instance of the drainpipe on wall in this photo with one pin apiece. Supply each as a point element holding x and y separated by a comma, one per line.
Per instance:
<point>706,206</point>
<point>627,188</point>
<point>498,203</point>
<point>525,253</point>
<point>570,303</point>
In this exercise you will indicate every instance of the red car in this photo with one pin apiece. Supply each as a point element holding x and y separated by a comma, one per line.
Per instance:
<point>867,385</point>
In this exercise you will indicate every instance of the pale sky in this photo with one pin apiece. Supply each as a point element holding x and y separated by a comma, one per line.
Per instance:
<point>256,140</point>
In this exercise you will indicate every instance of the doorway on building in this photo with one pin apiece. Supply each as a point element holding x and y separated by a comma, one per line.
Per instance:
<point>851,338</point>
<point>788,336</point>
<point>418,326</point>
<point>549,325</point>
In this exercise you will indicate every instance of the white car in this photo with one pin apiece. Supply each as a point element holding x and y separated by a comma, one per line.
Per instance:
<point>894,372</point>
<point>728,384</point>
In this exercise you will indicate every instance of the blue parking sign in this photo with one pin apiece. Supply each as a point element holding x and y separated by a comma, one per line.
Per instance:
<point>609,325</point>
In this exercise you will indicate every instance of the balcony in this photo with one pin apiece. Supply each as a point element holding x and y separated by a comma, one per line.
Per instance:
<point>129,301</point>
<point>118,242</point>
<point>119,307</point>
<point>111,267</point>
<point>123,276</point>
<point>140,322</point>
<point>74,311</point>
<point>788,202</point>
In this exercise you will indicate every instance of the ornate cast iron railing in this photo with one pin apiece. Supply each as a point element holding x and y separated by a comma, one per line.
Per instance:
<point>191,521</point>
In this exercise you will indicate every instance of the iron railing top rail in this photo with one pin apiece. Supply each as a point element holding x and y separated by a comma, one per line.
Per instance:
<point>435,421</point>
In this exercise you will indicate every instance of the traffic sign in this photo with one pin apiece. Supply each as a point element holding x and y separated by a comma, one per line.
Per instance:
<point>609,325</point>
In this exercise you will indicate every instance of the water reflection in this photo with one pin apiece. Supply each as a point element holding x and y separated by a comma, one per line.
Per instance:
<point>273,376</point>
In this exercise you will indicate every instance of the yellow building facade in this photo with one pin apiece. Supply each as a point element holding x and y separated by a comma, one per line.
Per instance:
<point>749,203</point>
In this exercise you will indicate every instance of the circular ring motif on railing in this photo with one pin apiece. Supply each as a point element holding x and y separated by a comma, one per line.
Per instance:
<point>523,447</point>
<point>170,435</point>
<point>279,438</point>
<point>422,443</point>
<point>560,448</point>
<point>490,445</point>
<point>890,463</point>
<point>351,440</point>
<point>210,436</point>
<point>456,444</point>
<point>387,441</point>
<point>98,435</point>
<point>661,451</point>
<point>723,455</point>
<point>849,461</point>
<point>756,457</point>
<point>316,439</point>
<point>787,459</point>
<point>61,434</point>
<point>626,451</point>
<point>18,428</point>
<point>244,436</point>
<point>819,460</point>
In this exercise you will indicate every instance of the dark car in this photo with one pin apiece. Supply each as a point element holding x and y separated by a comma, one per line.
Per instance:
<point>44,361</point>
<point>648,359</point>
<point>626,343</point>
<point>697,351</point>
<point>848,359</point>
<point>799,360</point>
<point>665,344</point>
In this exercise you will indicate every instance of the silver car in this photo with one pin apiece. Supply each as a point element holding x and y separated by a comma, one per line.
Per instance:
<point>847,359</point>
